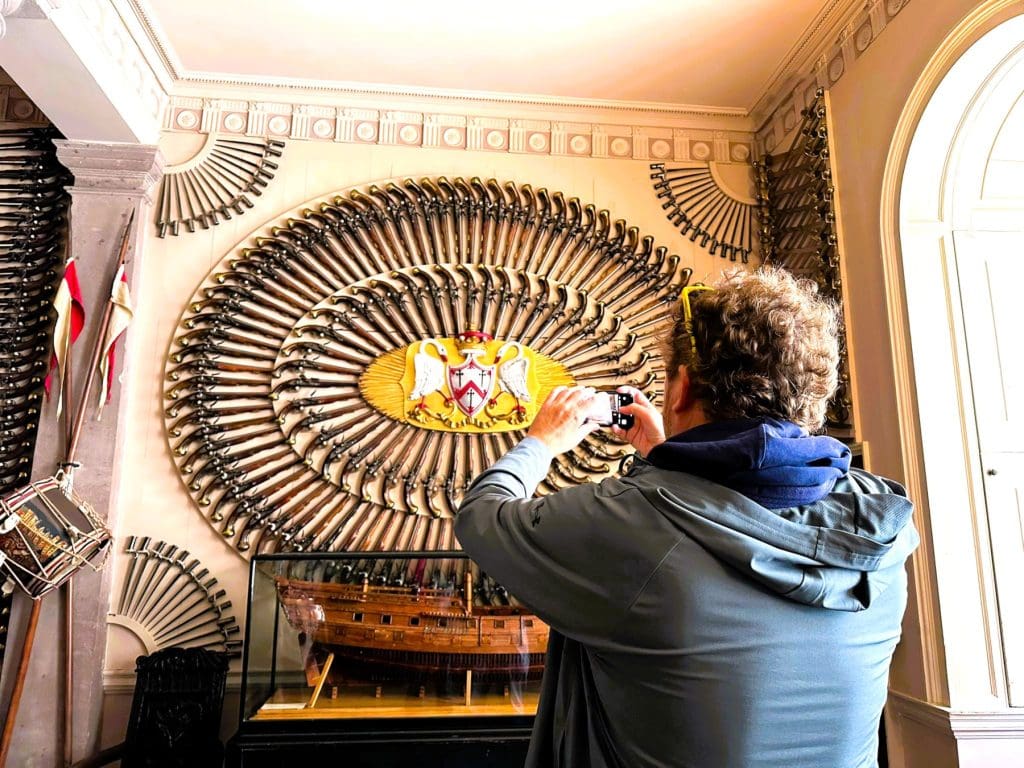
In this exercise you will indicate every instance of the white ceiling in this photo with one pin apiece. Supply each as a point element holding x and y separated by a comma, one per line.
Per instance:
<point>718,54</point>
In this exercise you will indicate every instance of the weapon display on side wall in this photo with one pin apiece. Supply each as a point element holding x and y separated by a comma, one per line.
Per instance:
<point>798,231</point>
<point>33,223</point>
<point>33,227</point>
<point>364,361</point>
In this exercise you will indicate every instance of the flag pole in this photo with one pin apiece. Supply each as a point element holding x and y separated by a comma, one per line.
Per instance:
<point>69,602</point>
<point>69,590</point>
<point>69,672</point>
<point>66,384</point>
<point>19,682</point>
<point>73,431</point>
<point>97,353</point>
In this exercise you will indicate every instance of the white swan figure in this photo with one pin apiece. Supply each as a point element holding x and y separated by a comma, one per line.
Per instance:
<point>428,372</point>
<point>512,374</point>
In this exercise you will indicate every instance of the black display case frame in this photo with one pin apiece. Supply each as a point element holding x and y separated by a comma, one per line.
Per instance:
<point>428,742</point>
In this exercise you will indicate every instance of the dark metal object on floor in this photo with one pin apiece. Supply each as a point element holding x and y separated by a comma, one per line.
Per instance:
<point>176,713</point>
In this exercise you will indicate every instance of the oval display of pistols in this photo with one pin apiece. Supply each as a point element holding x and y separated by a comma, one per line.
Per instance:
<point>338,384</point>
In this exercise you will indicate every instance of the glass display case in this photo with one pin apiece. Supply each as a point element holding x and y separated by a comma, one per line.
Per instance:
<point>398,645</point>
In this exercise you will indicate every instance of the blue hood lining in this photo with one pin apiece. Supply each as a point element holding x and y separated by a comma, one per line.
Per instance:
<point>772,462</point>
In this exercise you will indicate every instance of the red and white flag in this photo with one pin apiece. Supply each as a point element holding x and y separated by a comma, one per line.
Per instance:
<point>121,313</point>
<point>66,330</point>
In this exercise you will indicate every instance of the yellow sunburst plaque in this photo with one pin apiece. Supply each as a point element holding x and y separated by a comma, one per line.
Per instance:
<point>470,383</point>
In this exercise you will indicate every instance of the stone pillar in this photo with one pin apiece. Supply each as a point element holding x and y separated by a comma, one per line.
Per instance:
<point>111,180</point>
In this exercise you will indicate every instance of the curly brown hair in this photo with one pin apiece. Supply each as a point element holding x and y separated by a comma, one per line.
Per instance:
<point>766,345</point>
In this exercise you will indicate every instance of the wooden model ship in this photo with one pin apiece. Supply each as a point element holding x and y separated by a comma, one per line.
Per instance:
<point>415,631</point>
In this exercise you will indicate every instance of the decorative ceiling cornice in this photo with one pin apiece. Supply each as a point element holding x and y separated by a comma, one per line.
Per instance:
<point>220,84</point>
<point>821,69</point>
<point>152,44</point>
<point>816,38</point>
<point>440,96</point>
<point>451,130</point>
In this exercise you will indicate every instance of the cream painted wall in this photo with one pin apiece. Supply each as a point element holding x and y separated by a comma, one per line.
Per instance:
<point>151,499</point>
<point>866,106</point>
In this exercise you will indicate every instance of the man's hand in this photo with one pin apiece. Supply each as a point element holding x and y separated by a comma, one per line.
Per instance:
<point>561,421</point>
<point>648,428</point>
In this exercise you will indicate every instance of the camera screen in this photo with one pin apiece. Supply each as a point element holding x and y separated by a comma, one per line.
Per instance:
<point>602,410</point>
<point>606,410</point>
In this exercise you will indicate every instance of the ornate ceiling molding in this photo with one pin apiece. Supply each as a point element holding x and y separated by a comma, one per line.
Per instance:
<point>818,37</point>
<point>158,52</point>
<point>794,89</point>
<point>208,81</point>
<point>446,130</point>
<point>420,117</point>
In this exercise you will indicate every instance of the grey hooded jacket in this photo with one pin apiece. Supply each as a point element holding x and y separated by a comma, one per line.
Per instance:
<point>693,627</point>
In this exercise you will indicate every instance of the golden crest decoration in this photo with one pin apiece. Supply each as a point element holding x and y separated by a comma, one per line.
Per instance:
<point>471,383</point>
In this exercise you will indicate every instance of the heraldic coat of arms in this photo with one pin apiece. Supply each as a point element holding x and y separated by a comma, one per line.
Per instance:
<point>470,383</point>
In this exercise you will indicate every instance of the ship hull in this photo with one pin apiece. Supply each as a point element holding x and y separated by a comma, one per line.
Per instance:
<point>419,632</point>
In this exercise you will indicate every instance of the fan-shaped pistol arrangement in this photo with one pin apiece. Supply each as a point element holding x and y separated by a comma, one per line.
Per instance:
<point>168,599</point>
<point>215,184</point>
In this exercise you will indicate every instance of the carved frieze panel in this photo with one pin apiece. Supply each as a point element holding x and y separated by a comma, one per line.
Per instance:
<point>451,130</point>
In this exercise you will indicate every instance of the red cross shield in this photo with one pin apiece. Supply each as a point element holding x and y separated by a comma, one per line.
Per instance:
<point>470,384</point>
